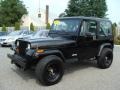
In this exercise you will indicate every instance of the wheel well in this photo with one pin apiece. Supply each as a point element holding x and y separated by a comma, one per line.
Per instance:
<point>61,56</point>
<point>104,46</point>
<point>57,54</point>
<point>108,46</point>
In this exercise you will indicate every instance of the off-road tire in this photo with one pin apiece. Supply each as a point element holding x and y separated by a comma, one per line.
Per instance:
<point>105,60</point>
<point>42,69</point>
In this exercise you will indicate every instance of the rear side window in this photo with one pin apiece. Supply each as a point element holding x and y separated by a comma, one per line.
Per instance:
<point>105,28</point>
<point>88,26</point>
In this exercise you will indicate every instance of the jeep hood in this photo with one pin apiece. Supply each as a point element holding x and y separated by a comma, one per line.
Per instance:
<point>48,42</point>
<point>5,37</point>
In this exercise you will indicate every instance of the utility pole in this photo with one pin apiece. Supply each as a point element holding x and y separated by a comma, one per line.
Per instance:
<point>47,14</point>
<point>39,14</point>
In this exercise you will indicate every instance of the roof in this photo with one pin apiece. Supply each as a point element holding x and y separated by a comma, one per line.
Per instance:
<point>83,17</point>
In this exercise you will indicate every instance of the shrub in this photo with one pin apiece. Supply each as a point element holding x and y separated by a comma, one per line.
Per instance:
<point>32,28</point>
<point>117,40</point>
<point>17,26</point>
<point>48,26</point>
<point>4,28</point>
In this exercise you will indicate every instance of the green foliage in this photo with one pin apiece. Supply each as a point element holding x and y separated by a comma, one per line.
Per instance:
<point>96,8</point>
<point>48,26</point>
<point>117,40</point>
<point>17,26</point>
<point>114,25</point>
<point>32,28</point>
<point>11,11</point>
<point>4,28</point>
<point>62,15</point>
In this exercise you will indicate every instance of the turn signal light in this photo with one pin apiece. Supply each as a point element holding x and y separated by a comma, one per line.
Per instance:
<point>40,51</point>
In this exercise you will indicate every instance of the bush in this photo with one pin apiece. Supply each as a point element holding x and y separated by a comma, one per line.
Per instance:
<point>17,26</point>
<point>32,28</point>
<point>48,26</point>
<point>117,40</point>
<point>4,28</point>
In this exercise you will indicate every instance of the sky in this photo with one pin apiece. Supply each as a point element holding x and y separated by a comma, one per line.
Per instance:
<point>58,6</point>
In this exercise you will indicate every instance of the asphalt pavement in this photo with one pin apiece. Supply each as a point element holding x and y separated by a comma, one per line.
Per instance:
<point>78,76</point>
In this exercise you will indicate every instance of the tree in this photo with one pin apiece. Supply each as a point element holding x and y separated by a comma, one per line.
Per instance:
<point>4,28</point>
<point>48,26</point>
<point>96,8</point>
<point>11,11</point>
<point>62,15</point>
<point>17,26</point>
<point>32,28</point>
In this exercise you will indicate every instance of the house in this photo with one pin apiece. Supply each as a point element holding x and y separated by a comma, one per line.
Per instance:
<point>38,22</point>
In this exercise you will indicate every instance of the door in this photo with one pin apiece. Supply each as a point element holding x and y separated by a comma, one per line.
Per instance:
<point>87,40</point>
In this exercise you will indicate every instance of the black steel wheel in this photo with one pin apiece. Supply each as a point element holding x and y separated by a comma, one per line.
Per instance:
<point>50,70</point>
<point>106,58</point>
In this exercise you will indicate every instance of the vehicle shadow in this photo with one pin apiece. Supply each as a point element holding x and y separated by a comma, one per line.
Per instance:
<point>69,68</point>
<point>25,75</point>
<point>75,66</point>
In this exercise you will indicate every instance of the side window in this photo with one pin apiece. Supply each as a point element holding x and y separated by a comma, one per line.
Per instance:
<point>88,26</point>
<point>105,28</point>
<point>25,33</point>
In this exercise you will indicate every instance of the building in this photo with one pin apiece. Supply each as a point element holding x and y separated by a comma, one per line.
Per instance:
<point>38,19</point>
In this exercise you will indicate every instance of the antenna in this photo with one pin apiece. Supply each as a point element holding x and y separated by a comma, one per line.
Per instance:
<point>39,5</point>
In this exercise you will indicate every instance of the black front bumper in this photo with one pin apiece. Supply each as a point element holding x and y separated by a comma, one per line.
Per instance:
<point>21,61</point>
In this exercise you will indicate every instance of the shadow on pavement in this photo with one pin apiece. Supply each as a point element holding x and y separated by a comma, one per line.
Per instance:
<point>69,68</point>
<point>75,66</point>
<point>26,75</point>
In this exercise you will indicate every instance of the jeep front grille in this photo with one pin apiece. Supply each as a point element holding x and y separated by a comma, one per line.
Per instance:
<point>22,47</point>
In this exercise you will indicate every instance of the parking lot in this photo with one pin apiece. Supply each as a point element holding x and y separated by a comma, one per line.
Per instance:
<point>78,76</point>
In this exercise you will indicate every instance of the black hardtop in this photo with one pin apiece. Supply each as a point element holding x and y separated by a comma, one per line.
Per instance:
<point>83,17</point>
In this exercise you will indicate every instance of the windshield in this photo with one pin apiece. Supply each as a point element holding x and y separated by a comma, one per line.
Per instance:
<point>41,33</point>
<point>3,33</point>
<point>15,33</point>
<point>67,25</point>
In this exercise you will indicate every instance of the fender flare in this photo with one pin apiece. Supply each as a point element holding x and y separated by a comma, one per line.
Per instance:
<point>53,52</point>
<point>102,46</point>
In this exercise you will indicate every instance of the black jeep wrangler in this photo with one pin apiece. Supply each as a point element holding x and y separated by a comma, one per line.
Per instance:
<point>69,38</point>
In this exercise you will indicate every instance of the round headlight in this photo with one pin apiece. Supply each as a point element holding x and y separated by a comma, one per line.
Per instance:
<point>17,44</point>
<point>28,46</point>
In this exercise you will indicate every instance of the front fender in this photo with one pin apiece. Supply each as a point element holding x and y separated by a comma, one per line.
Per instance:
<point>52,52</point>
